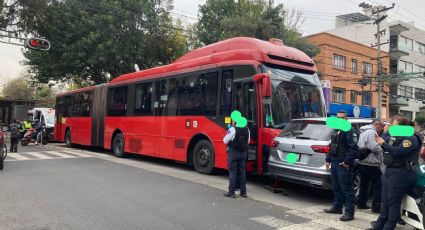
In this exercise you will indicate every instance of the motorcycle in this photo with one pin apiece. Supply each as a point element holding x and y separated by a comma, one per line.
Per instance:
<point>31,136</point>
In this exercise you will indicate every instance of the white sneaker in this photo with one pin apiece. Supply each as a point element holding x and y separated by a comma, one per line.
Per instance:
<point>36,143</point>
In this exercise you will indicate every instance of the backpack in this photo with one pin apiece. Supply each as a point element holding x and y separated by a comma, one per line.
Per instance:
<point>14,131</point>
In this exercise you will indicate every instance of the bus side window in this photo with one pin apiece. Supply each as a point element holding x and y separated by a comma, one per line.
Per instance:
<point>117,105</point>
<point>161,97</point>
<point>208,93</point>
<point>171,108</point>
<point>226,93</point>
<point>143,99</point>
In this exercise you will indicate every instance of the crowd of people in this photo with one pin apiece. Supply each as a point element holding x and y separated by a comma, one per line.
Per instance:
<point>387,162</point>
<point>18,129</point>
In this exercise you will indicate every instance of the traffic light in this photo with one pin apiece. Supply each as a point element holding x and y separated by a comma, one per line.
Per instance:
<point>38,44</point>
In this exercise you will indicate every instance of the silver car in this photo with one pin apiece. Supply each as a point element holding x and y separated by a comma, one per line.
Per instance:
<point>309,140</point>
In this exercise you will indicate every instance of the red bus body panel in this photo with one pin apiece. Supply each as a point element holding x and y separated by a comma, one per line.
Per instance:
<point>158,136</point>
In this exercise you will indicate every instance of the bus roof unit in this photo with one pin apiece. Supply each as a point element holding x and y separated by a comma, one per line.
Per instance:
<point>233,49</point>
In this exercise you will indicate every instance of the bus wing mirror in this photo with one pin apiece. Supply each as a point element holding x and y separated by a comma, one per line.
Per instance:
<point>264,80</point>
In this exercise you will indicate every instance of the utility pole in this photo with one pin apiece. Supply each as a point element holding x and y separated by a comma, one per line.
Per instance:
<point>377,21</point>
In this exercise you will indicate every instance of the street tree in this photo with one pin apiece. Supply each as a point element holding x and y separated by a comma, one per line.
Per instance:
<point>222,19</point>
<point>93,39</point>
<point>18,88</point>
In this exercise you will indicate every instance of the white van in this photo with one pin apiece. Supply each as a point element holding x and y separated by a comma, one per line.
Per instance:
<point>46,114</point>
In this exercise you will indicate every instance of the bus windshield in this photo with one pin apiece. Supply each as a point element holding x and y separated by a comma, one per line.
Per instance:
<point>294,95</point>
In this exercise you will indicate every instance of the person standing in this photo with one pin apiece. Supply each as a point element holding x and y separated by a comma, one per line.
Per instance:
<point>370,167</point>
<point>39,131</point>
<point>340,160</point>
<point>14,136</point>
<point>401,160</point>
<point>237,139</point>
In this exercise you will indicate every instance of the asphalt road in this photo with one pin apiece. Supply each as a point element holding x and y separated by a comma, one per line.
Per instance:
<point>92,193</point>
<point>53,187</point>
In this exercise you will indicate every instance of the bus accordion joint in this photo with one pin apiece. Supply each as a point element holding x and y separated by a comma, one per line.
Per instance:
<point>264,80</point>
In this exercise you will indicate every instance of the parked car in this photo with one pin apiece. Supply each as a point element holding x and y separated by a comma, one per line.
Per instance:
<point>309,139</point>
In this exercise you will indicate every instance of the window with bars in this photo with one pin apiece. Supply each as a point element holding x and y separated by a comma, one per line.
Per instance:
<point>353,98</point>
<point>367,98</point>
<point>353,65</point>
<point>367,69</point>
<point>338,95</point>
<point>339,62</point>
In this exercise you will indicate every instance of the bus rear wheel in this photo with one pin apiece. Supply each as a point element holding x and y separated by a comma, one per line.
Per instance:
<point>118,146</point>
<point>68,142</point>
<point>203,157</point>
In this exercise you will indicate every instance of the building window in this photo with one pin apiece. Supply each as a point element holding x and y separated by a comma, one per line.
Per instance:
<point>405,91</point>
<point>339,62</point>
<point>366,98</point>
<point>393,66</point>
<point>407,42</point>
<point>420,47</point>
<point>420,68</point>
<point>393,90</point>
<point>353,65</point>
<point>367,69</point>
<point>338,95</point>
<point>420,94</point>
<point>353,97</point>
<point>407,114</point>
<point>405,67</point>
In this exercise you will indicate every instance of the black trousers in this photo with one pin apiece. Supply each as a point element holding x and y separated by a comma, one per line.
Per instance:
<point>237,176</point>
<point>370,174</point>
<point>14,144</point>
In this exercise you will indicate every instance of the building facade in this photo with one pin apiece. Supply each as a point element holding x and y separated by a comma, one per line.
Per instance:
<point>405,44</point>
<point>350,68</point>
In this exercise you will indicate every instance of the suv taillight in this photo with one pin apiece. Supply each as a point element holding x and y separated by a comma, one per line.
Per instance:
<point>275,144</point>
<point>321,148</point>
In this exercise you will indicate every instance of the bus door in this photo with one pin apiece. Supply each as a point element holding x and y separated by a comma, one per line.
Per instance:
<point>98,115</point>
<point>244,100</point>
<point>59,136</point>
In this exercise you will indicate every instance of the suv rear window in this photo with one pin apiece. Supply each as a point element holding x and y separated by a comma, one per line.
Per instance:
<point>309,130</point>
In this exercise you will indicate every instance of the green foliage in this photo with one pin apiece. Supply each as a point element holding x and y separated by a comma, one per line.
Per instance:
<point>222,19</point>
<point>18,88</point>
<point>46,96</point>
<point>93,39</point>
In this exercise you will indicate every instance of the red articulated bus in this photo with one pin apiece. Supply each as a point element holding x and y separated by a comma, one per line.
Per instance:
<point>181,111</point>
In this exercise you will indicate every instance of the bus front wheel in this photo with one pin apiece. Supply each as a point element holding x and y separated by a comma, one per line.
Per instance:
<point>118,145</point>
<point>203,157</point>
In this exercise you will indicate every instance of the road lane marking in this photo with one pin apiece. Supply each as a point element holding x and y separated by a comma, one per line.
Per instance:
<point>77,153</point>
<point>18,156</point>
<point>305,226</point>
<point>272,221</point>
<point>62,155</point>
<point>39,155</point>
